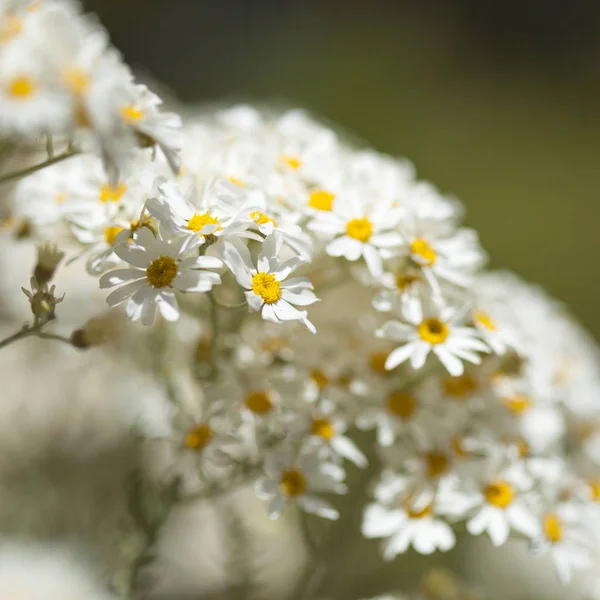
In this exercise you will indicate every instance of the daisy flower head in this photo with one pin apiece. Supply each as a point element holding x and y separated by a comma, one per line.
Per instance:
<point>357,227</point>
<point>158,267</point>
<point>402,524</point>
<point>268,290</point>
<point>299,480</point>
<point>428,327</point>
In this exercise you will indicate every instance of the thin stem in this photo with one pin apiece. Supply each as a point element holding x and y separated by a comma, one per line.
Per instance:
<point>28,331</point>
<point>49,145</point>
<point>38,167</point>
<point>15,336</point>
<point>214,333</point>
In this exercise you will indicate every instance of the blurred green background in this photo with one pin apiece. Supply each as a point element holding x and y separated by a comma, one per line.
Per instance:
<point>494,101</point>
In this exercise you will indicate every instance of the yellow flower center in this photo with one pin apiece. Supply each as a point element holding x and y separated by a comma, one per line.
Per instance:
<point>360,229</point>
<point>21,88</point>
<point>402,404</point>
<point>161,272</point>
<point>293,482</point>
<point>595,489</point>
<point>291,161</point>
<point>321,200</point>
<point>517,404</point>
<point>60,198</point>
<point>109,193</point>
<point>199,437</point>
<point>135,225</point>
<point>484,320</point>
<point>405,280</point>
<point>460,387</point>
<point>10,28</point>
<point>267,287</point>
<point>433,331</point>
<point>259,402</point>
<point>456,443</point>
<point>415,513</point>
<point>131,113</point>
<point>499,493</point>
<point>553,528</point>
<point>198,222</point>
<point>274,345</point>
<point>323,428</point>
<point>437,463</point>
<point>236,181</point>
<point>78,80</point>
<point>377,362</point>
<point>319,378</point>
<point>261,218</point>
<point>110,234</point>
<point>420,248</point>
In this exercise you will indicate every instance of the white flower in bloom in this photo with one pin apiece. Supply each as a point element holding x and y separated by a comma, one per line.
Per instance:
<point>428,328</point>
<point>158,267</point>
<point>565,537</point>
<point>219,214</point>
<point>407,525</point>
<point>266,285</point>
<point>494,334</point>
<point>359,229</point>
<point>299,480</point>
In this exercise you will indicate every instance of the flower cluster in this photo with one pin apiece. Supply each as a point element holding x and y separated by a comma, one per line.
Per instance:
<point>59,76</point>
<point>478,392</point>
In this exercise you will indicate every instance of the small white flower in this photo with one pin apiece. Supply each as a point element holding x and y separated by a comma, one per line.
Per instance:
<point>299,480</point>
<point>158,267</point>
<point>359,229</point>
<point>266,285</point>
<point>428,328</point>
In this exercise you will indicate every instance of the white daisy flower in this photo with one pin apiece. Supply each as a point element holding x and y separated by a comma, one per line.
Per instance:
<point>493,333</point>
<point>158,267</point>
<point>267,289</point>
<point>428,328</point>
<point>406,525</point>
<point>300,481</point>
<point>359,229</point>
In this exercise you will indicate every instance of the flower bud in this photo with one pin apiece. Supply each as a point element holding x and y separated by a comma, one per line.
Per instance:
<point>48,258</point>
<point>95,332</point>
<point>42,300</point>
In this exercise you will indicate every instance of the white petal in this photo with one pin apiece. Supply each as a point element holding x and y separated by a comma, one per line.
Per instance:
<point>119,276</point>
<point>379,521</point>
<point>126,291</point>
<point>399,355</point>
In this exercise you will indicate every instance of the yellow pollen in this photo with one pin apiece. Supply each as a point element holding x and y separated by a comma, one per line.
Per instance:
<point>595,489</point>
<point>433,331</point>
<point>460,387</point>
<point>484,320</point>
<point>344,381</point>
<point>553,528</point>
<point>236,181</point>
<point>10,28</point>
<point>267,287</point>
<point>437,463</point>
<point>274,344</point>
<point>259,402</point>
<point>109,193</point>
<point>261,218</point>
<point>110,234</point>
<point>203,349</point>
<point>293,482</point>
<point>402,404</point>
<point>424,251</point>
<point>21,88</point>
<point>321,200</point>
<point>499,493</point>
<point>360,229</point>
<point>377,362</point>
<point>161,272</point>
<point>405,281</point>
<point>198,222</point>
<point>517,404</point>
<point>60,198</point>
<point>414,513</point>
<point>135,225</point>
<point>291,161</point>
<point>319,378</point>
<point>131,113</point>
<point>199,437</point>
<point>323,428</point>
<point>78,80</point>
<point>81,117</point>
<point>456,443</point>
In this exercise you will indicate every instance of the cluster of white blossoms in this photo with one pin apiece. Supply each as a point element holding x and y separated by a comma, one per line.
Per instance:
<point>319,289</point>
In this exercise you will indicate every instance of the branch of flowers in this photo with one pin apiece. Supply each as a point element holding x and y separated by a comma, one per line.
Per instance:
<point>47,163</point>
<point>34,330</point>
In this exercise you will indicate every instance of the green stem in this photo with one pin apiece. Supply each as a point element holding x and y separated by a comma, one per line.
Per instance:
<point>38,167</point>
<point>29,331</point>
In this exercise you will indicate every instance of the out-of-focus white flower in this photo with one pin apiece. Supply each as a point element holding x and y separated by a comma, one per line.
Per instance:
<point>158,267</point>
